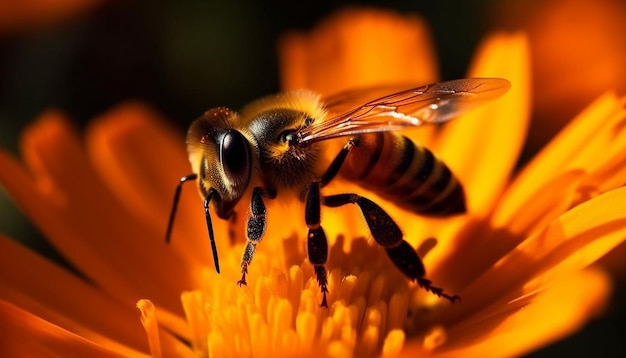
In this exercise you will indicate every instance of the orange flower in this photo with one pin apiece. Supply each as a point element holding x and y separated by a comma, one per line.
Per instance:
<point>519,258</point>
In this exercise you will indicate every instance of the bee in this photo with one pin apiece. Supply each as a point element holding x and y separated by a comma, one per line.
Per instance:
<point>274,146</point>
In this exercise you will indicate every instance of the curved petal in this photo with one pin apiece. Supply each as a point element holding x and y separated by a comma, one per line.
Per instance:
<point>584,160</point>
<point>514,331</point>
<point>60,297</point>
<point>26,335</point>
<point>72,206</point>
<point>569,74</point>
<point>571,243</point>
<point>141,159</point>
<point>358,47</point>
<point>593,144</point>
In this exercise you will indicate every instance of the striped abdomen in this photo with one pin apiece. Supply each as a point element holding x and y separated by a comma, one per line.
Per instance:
<point>405,173</point>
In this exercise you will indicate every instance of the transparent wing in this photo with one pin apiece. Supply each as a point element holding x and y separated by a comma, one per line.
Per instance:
<point>375,110</point>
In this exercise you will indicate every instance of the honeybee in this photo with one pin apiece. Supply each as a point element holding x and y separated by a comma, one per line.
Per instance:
<point>274,146</point>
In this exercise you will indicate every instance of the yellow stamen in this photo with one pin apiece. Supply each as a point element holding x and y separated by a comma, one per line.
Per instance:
<point>436,337</point>
<point>149,322</point>
<point>393,342</point>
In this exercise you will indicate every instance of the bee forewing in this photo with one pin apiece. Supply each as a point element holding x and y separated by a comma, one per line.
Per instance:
<point>435,103</point>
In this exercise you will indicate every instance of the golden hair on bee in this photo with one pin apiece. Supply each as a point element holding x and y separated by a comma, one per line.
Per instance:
<point>297,100</point>
<point>284,164</point>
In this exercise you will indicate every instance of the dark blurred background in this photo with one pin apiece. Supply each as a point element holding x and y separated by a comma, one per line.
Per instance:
<point>187,56</point>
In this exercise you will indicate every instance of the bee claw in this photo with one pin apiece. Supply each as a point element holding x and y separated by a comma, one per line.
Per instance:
<point>426,285</point>
<point>243,280</point>
<point>324,303</point>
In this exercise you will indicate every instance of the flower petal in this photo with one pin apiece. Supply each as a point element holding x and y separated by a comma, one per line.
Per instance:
<point>67,200</point>
<point>574,241</point>
<point>593,144</point>
<point>514,331</point>
<point>358,47</point>
<point>141,159</point>
<point>69,302</point>
<point>568,74</point>
<point>26,335</point>
<point>583,160</point>
<point>73,304</point>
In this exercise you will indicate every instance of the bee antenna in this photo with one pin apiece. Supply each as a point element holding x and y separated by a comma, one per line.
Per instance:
<point>210,228</point>
<point>170,223</point>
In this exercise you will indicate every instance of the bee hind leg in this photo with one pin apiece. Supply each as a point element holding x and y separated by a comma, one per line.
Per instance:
<point>387,234</point>
<point>254,231</point>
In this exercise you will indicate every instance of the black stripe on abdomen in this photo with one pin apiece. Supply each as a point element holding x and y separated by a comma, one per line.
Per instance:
<point>405,173</point>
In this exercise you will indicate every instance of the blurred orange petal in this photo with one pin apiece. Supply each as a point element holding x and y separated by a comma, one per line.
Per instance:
<point>80,215</point>
<point>26,335</point>
<point>32,14</point>
<point>577,52</point>
<point>377,47</point>
<point>559,178</point>
<point>571,243</point>
<point>571,176</point>
<point>121,145</point>
<point>69,301</point>
<point>514,330</point>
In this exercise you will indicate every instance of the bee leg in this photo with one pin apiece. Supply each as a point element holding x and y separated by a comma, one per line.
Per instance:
<point>317,244</point>
<point>336,164</point>
<point>254,231</point>
<point>179,187</point>
<point>387,234</point>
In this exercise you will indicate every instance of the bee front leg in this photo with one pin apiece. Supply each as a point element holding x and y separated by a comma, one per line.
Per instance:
<point>317,244</point>
<point>387,234</point>
<point>254,231</point>
<point>336,164</point>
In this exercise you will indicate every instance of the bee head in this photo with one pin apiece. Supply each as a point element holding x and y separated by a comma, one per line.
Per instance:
<point>222,158</point>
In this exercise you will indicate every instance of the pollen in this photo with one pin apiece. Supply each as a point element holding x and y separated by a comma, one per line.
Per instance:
<point>278,313</point>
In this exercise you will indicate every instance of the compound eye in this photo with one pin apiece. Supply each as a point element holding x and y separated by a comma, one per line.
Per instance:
<point>235,157</point>
<point>288,136</point>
